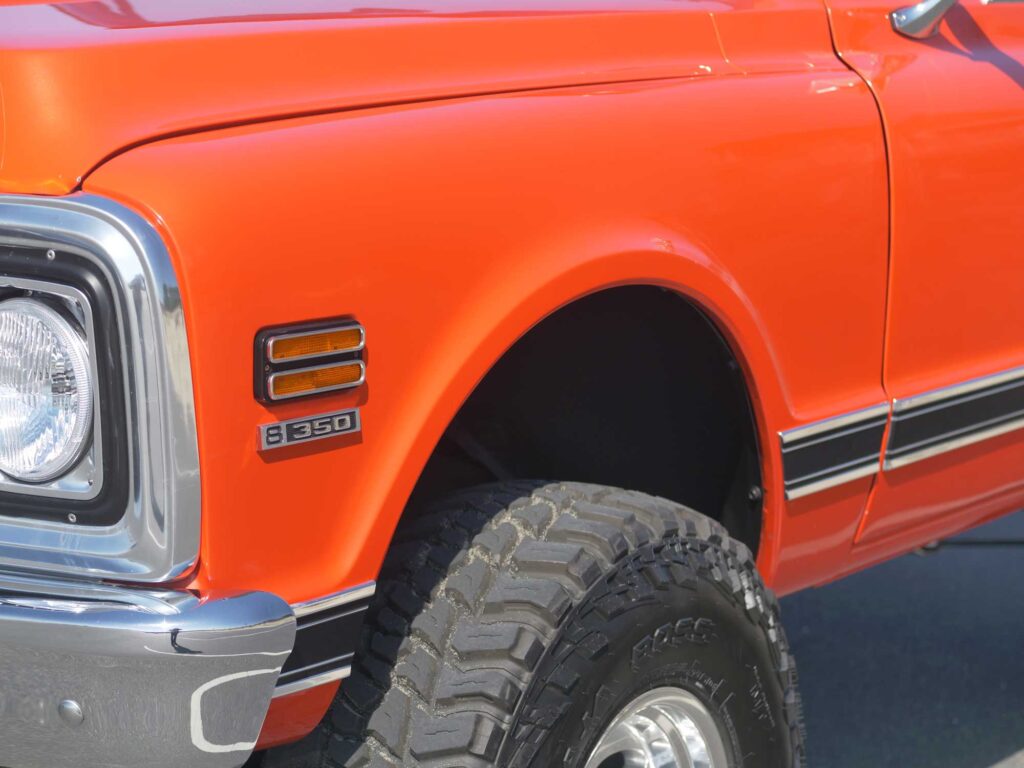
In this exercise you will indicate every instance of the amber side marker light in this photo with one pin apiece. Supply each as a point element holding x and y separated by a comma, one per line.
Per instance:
<point>313,344</point>
<point>309,381</point>
<point>308,359</point>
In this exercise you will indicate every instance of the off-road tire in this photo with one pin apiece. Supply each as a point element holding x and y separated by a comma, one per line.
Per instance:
<point>513,621</point>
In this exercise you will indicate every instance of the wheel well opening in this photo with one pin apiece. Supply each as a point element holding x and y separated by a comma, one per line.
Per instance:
<point>631,387</point>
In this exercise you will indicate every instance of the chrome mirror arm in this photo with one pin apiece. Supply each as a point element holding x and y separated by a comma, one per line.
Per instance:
<point>922,20</point>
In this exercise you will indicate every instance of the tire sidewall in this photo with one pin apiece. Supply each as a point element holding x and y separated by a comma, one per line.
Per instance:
<point>655,621</point>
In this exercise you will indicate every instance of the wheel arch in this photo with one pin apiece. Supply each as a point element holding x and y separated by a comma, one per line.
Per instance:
<point>642,257</point>
<point>631,386</point>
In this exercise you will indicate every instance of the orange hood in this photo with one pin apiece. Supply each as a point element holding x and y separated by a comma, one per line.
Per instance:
<point>82,81</point>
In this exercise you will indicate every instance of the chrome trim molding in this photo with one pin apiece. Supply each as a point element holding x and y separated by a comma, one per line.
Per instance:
<point>953,444</point>
<point>921,426</point>
<point>312,682</point>
<point>70,595</point>
<point>955,390</point>
<point>272,338</point>
<point>833,423</point>
<point>952,417</point>
<point>351,595</point>
<point>318,390</point>
<point>833,451</point>
<point>158,537</point>
<point>833,480</point>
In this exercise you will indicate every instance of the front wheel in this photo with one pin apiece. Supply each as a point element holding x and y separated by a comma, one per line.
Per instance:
<point>566,625</point>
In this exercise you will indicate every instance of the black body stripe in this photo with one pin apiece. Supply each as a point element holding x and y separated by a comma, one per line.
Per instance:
<point>831,453</point>
<point>816,456</point>
<point>325,641</point>
<point>954,419</point>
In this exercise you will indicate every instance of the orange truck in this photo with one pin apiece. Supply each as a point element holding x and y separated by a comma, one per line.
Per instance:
<point>457,383</point>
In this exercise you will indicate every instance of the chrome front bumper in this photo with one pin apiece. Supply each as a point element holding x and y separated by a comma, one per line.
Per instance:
<point>104,677</point>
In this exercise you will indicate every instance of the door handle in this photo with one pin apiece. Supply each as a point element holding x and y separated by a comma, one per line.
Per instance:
<point>921,20</point>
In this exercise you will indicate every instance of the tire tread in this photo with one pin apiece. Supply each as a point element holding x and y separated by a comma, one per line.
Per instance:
<point>469,596</point>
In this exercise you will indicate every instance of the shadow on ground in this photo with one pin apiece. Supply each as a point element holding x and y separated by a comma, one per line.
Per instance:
<point>920,661</point>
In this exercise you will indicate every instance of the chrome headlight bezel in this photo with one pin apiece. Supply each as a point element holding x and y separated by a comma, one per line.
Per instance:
<point>144,523</point>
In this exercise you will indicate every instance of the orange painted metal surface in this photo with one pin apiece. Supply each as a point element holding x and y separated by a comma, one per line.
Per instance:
<point>953,109</point>
<point>83,80</point>
<point>403,214</point>
<point>292,717</point>
<point>451,174</point>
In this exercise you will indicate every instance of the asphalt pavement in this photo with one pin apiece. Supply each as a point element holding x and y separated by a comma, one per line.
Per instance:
<point>919,661</point>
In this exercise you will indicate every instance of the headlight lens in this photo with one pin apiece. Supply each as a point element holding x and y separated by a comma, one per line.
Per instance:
<point>46,392</point>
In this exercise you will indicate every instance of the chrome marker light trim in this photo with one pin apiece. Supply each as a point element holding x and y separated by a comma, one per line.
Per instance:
<point>158,537</point>
<point>945,419</point>
<point>283,336</point>
<point>833,451</point>
<point>318,390</point>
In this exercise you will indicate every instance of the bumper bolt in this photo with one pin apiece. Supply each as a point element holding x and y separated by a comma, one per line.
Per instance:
<point>71,712</point>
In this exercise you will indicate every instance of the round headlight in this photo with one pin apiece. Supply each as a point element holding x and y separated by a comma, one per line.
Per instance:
<point>45,392</point>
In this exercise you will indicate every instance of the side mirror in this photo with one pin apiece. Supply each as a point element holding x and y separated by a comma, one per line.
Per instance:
<point>922,20</point>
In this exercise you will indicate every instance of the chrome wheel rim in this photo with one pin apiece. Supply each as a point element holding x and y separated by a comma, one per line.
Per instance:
<point>663,728</point>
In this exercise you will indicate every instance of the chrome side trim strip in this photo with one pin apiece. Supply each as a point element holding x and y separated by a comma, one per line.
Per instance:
<point>945,419</point>
<point>955,390</point>
<point>825,454</point>
<point>360,592</point>
<point>834,422</point>
<point>952,445</point>
<point>312,682</point>
<point>158,537</point>
<point>833,451</point>
<point>833,480</point>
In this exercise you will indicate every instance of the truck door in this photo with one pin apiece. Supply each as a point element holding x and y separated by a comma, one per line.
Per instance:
<point>952,106</point>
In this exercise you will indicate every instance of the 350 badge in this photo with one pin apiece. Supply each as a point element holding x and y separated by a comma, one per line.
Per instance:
<point>309,428</point>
